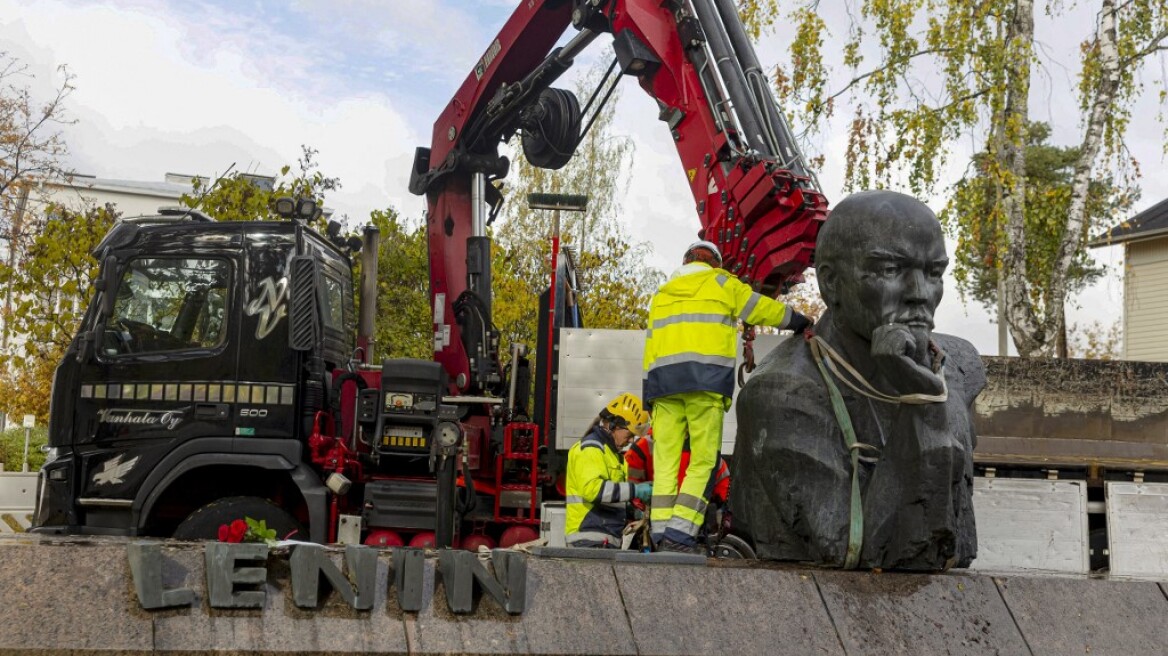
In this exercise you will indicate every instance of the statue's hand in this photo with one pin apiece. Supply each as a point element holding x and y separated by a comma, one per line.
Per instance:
<point>902,355</point>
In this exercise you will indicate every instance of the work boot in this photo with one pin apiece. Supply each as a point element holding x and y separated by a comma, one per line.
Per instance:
<point>678,547</point>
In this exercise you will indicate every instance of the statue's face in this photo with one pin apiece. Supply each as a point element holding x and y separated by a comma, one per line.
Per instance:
<point>894,277</point>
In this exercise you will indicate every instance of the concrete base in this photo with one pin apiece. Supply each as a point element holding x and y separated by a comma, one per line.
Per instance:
<point>71,596</point>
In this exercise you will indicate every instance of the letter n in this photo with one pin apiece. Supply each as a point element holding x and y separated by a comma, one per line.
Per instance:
<point>309,561</point>
<point>462,574</point>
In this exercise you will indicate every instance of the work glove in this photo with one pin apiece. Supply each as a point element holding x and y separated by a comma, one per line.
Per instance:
<point>798,323</point>
<point>644,491</point>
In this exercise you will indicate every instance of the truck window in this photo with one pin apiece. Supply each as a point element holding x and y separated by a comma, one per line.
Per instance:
<point>334,296</point>
<point>168,304</point>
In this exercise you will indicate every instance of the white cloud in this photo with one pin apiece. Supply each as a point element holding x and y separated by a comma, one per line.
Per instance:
<point>157,94</point>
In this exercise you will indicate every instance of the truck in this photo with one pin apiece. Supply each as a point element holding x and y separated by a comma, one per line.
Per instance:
<point>222,369</point>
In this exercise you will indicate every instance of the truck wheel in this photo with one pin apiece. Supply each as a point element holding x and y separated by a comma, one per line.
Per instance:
<point>204,523</point>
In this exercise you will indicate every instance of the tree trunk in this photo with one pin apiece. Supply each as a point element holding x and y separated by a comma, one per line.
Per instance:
<point>1063,350</point>
<point>1104,93</point>
<point>1028,334</point>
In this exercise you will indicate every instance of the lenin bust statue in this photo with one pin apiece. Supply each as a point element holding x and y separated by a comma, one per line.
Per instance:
<point>855,441</point>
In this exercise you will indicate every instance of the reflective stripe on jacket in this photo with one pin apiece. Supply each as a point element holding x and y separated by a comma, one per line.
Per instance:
<point>693,332</point>
<point>597,491</point>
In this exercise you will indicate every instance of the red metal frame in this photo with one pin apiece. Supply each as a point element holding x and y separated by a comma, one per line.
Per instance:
<point>524,42</point>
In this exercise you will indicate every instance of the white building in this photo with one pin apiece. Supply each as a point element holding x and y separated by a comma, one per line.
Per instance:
<point>1145,282</point>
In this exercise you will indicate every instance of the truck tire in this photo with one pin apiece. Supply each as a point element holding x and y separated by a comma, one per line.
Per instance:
<point>204,523</point>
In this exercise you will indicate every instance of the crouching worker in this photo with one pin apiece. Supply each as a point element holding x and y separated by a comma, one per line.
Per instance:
<point>598,489</point>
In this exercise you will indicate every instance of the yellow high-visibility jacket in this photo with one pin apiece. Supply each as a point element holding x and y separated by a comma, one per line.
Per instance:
<point>597,492</point>
<point>693,328</point>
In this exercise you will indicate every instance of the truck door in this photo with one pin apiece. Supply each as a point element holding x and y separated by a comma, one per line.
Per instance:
<point>158,375</point>
<point>267,371</point>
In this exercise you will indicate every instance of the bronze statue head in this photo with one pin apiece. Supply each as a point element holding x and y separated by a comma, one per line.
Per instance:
<point>880,259</point>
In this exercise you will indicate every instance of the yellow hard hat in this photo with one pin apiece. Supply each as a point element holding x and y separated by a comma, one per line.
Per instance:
<point>628,412</point>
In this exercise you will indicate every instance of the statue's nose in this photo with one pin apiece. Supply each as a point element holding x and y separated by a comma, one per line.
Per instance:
<point>916,285</point>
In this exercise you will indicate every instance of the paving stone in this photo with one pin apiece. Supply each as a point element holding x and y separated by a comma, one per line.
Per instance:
<point>575,552</point>
<point>926,614</point>
<point>660,558</point>
<point>575,608</point>
<point>1088,616</point>
<point>725,610</point>
<point>75,596</point>
<point>60,596</point>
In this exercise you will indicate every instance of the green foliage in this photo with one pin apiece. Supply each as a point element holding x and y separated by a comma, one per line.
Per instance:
<point>922,74</point>
<point>974,218</point>
<point>758,16</point>
<point>402,326</point>
<point>237,196</point>
<point>12,448</point>
<point>258,531</point>
<point>616,283</point>
<point>25,388</point>
<point>45,292</point>
<point>897,129</point>
<point>1096,341</point>
<point>31,144</point>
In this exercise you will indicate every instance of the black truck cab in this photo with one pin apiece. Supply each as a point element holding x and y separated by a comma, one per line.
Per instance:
<point>193,380</point>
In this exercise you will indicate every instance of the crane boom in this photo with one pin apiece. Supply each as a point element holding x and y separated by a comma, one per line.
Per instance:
<point>752,191</point>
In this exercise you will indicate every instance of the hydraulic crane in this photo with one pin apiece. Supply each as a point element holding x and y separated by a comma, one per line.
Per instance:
<point>214,375</point>
<point>753,192</point>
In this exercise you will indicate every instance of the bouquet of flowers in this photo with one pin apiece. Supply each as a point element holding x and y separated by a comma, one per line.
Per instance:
<point>247,530</point>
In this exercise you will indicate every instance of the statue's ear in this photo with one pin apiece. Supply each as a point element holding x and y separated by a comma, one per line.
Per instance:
<point>828,277</point>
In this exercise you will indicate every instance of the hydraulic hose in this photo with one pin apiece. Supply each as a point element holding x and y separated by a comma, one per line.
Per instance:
<point>747,111</point>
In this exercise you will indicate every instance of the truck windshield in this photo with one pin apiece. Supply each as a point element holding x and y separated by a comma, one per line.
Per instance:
<point>167,304</point>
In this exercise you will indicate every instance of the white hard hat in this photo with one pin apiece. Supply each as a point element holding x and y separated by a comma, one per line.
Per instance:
<point>708,245</point>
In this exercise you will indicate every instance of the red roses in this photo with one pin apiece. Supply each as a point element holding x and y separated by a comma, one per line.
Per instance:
<point>233,532</point>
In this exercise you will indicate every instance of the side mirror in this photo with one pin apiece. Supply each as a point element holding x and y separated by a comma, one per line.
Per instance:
<point>107,284</point>
<point>304,317</point>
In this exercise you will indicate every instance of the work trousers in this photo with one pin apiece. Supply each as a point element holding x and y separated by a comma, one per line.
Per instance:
<point>678,514</point>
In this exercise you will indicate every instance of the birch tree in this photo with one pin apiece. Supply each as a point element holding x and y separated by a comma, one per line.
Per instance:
<point>31,149</point>
<point>923,74</point>
<point>1048,174</point>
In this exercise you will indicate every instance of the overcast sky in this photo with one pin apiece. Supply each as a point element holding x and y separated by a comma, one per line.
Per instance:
<point>194,87</point>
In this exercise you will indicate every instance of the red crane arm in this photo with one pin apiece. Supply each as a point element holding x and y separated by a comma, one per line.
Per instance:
<point>763,216</point>
<point>752,192</point>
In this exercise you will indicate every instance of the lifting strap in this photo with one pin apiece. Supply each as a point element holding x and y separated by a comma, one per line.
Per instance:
<point>824,355</point>
<point>856,525</point>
